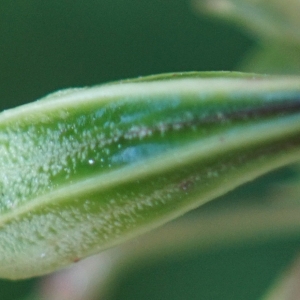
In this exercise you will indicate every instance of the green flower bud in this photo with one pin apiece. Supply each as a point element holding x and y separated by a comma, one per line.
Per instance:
<point>86,169</point>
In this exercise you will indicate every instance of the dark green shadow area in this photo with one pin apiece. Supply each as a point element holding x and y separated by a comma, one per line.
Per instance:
<point>237,273</point>
<point>15,290</point>
<point>56,44</point>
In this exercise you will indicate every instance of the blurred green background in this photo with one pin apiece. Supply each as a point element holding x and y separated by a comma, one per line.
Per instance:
<point>50,45</point>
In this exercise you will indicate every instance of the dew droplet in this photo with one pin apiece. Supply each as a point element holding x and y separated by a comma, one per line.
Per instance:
<point>91,161</point>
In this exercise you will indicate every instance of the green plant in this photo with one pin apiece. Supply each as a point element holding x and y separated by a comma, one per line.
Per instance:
<point>90,168</point>
<point>153,148</point>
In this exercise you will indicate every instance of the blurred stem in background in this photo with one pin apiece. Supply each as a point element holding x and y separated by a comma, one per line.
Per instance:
<point>287,286</point>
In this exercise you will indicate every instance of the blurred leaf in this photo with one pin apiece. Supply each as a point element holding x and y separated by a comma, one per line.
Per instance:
<point>272,59</point>
<point>86,169</point>
<point>266,19</point>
